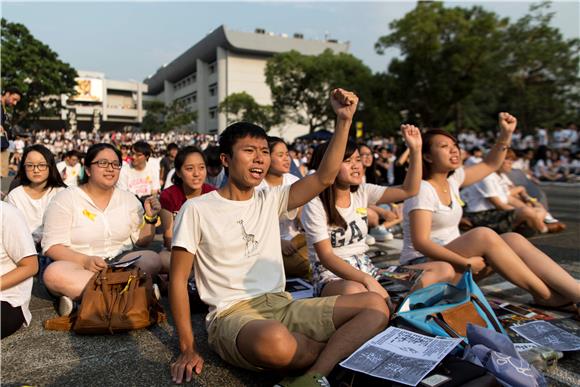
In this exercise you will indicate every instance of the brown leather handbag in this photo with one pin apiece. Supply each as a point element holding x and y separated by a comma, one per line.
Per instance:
<point>114,300</point>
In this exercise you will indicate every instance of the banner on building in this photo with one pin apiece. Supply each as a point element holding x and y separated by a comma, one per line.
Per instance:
<point>88,90</point>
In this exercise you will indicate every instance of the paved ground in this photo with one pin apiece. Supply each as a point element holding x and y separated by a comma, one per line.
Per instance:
<point>37,357</point>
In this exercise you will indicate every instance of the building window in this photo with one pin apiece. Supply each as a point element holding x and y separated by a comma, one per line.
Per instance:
<point>213,89</point>
<point>212,67</point>
<point>212,113</point>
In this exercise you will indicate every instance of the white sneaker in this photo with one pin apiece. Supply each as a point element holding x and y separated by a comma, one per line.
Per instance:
<point>548,219</point>
<point>370,240</point>
<point>156,292</point>
<point>381,234</point>
<point>65,306</point>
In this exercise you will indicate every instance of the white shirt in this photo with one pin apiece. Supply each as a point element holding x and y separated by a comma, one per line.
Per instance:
<point>73,220</point>
<point>345,242</point>
<point>288,229</point>
<point>72,173</point>
<point>236,243</point>
<point>141,183</point>
<point>32,209</point>
<point>477,195</point>
<point>15,244</point>
<point>445,219</point>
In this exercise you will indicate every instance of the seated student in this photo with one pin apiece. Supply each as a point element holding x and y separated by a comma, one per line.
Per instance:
<point>94,224</point>
<point>38,182</point>
<point>137,177</point>
<point>293,242</point>
<point>216,173</point>
<point>495,202</point>
<point>188,182</point>
<point>431,224</point>
<point>233,236</point>
<point>18,263</point>
<point>70,168</point>
<point>336,225</point>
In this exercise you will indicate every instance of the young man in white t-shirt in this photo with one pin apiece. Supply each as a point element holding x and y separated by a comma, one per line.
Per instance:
<point>233,236</point>
<point>70,168</point>
<point>140,178</point>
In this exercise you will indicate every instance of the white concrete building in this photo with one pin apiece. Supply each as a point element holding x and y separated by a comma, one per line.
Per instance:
<point>104,103</point>
<point>227,62</point>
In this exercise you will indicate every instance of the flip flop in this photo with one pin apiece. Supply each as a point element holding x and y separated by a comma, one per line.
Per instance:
<point>569,307</point>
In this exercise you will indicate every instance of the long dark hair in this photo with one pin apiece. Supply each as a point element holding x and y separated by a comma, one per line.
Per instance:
<point>371,171</point>
<point>54,178</point>
<point>92,152</point>
<point>328,197</point>
<point>426,149</point>
<point>180,159</point>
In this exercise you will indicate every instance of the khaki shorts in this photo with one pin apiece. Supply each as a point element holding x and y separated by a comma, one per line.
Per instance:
<point>312,317</point>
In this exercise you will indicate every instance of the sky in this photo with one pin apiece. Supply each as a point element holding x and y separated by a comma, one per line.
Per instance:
<point>131,40</point>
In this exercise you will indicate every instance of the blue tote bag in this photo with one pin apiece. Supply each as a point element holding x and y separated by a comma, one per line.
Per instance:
<point>444,309</point>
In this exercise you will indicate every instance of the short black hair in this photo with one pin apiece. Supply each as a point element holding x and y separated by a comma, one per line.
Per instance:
<point>12,90</point>
<point>212,156</point>
<point>239,130</point>
<point>172,146</point>
<point>54,178</point>
<point>180,159</point>
<point>142,147</point>
<point>72,153</point>
<point>92,152</point>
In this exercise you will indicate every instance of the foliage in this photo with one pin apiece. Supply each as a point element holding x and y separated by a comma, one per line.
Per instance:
<point>543,84</point>
<point>459,67</point>
<point>243,107</point>
<point>448,54</point>
<point>36,70</point>
<point>301,84</point>
<point>161,118</point>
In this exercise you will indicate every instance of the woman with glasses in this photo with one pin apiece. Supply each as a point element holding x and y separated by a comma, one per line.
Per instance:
<point>38,182</point>
<point>94,225</point>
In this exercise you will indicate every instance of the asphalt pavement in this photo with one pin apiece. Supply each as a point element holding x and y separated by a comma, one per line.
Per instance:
<point>37,357</point>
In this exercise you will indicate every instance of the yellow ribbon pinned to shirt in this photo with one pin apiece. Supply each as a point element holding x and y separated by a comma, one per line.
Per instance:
<point>89,214</point>
<point>461,202</point>
<point>361,211</point>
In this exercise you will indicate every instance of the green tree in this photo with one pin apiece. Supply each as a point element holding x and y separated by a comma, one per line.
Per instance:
<point>301,84</point>
<point>543,84</point>
<point>243,107</point>
<point>450,59</point>
<point>36,70</point>
<point>161,118</point>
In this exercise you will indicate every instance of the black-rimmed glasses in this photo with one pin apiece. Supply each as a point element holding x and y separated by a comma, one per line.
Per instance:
<point>106,163</point>
<point>40,167</point>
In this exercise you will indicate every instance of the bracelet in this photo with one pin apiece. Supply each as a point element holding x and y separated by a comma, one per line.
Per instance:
<point>150,219</point>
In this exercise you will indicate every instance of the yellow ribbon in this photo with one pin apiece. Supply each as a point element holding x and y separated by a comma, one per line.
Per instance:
<point>89,215</point>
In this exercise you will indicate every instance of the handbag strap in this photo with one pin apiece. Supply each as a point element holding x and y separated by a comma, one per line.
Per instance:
<point>488,314</point>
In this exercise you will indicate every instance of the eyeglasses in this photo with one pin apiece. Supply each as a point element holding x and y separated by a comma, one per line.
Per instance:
<point>40,167</point>
<point>106,163</point>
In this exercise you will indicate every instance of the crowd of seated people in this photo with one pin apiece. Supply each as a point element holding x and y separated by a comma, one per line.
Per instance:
<point>241,213</point>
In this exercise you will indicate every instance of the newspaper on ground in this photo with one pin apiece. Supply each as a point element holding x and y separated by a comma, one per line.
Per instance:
<point>548,335</point>
<point>400,355</point>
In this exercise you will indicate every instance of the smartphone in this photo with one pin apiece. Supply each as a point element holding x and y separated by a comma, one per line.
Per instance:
<point>517,310</point>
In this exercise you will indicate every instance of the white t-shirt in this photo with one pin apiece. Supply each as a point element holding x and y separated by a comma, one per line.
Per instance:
<point>73,220</point>
<point>445,219</point>
<point>141,183</point>
<point>288,229</point>
<point>236,243</point>
<point>345,243</point>
<point>32,209</point>
<point>15,244</point>
<point>477,195</point>
<point>72,173</point>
